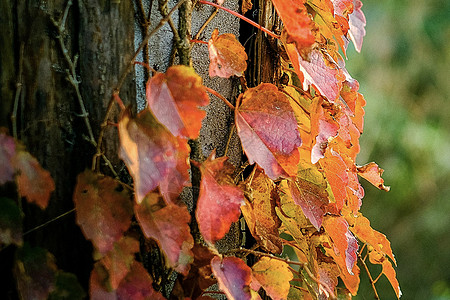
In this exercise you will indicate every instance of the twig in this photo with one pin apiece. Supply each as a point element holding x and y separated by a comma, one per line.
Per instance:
<point>229,139</point>
<point>19,85</point>
<point>127,70</point>
<point>197,36</point>
<point>220,97</point>
<point>242,18</point>
<point>50,221</point>
<point>372,282</point>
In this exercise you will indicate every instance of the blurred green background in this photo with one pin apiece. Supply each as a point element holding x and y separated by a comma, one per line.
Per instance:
<point>404,74</point>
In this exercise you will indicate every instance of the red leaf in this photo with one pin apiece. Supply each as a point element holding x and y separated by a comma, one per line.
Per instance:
<point>137,285</point>
<point>234,277</point>
<point>7,153</point>
<point>296,22</point>
<point>345,243</point>
<point>219,200</point>
<point>175,98</point>
<point>357,22</point>
<point>372,173</point>
<point>268,130</point>
<point>309,192</point>
<point>35,272</point>
<point>33,182</point>
<point>227,56</point>
<point>153,155</point>
<point>274,276</point>
<point>169,226</point>
<point>102,211</point>
<point>118,261</point>
<point>323,128</point>
<point>325,75</point>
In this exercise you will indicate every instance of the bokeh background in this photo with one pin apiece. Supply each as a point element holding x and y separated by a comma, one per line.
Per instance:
<point>404,74</point>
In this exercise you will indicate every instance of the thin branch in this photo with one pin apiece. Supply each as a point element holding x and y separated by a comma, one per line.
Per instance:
<point>50,221</point>
<point>19,85</point>
<point>197,36</point>
<point>220,97</point>
<point>242,18</point>
<point>372,282</point>
<point>229,139</point>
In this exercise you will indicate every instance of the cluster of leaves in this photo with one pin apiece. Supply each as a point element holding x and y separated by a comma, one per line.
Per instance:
<point>302,195</point>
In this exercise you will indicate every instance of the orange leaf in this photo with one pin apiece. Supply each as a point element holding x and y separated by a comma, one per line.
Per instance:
<point>102,211</point>
<point>175,98</point>
<point>246,6</point>
<point>274,276</point>
<point>335,171</point>
<point>296,21</point>
<point>259,211</point>
<point>33,182</point>
<point>118,261</point>
<point>268,130</point>
<point>153,155</point>
<point>219,199</point>
<point>227,56</point>
<point>389,271</point>
<point>345,243</point>
<point>234,277</point>
<point>372,173</point>
<point>169,226</point>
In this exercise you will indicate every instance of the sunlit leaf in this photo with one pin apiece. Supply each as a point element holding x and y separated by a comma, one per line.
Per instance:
<point>103,210</point>
<point>219,200</point>
<point>169,226</point>
<point>389,271</point>
<point>335,171</point>
<point>33,182</point>
<point>175,98</point>
<point>274,276</point>
<point>345,243</point>
<point>233,276</point>
<point>35,271</point>
<point>7,152</point>
<point>372,173</point>
<point>357,22</point>
<point>268,130</point>
<point>10,223</point>
<point>259,211</point>
<point>246,6</point>
<point>153,155</point>
<point>296,21</point>
<point>227,56</point>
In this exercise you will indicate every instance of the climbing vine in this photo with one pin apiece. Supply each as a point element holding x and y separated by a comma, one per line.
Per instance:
<point>298,190</point>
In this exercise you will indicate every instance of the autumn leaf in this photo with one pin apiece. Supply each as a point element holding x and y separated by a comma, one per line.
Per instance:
<point>246,6</point>
<point>308,190</point>
<point>233,276</point>
<point>268,130</point>
<point>372,173</point>
<point>357,22</point>
<point>259,211</point>
<point>175,98</point>
<point>296,21</point>
<point>389,272</point>
<point>227,56</point>
<point>169,226</point>
<point>153,155</point>
<point>35,272</point>
<point>219,199</point>
<point>10,223</point>
<point>33,182</point>
<point>102,211</point>
<point>335,171</point>
<point>344,241</point>
<point>7,153</point>
<point>317,70</point>
<point>274,276</point>
<point>118,261</point>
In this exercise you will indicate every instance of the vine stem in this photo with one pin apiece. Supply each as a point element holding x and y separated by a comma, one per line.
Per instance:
<point>372,282</point>
<point>50,221</point>
<point>116,89</point>
<point>220,97</point>
<point>242,18</point>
